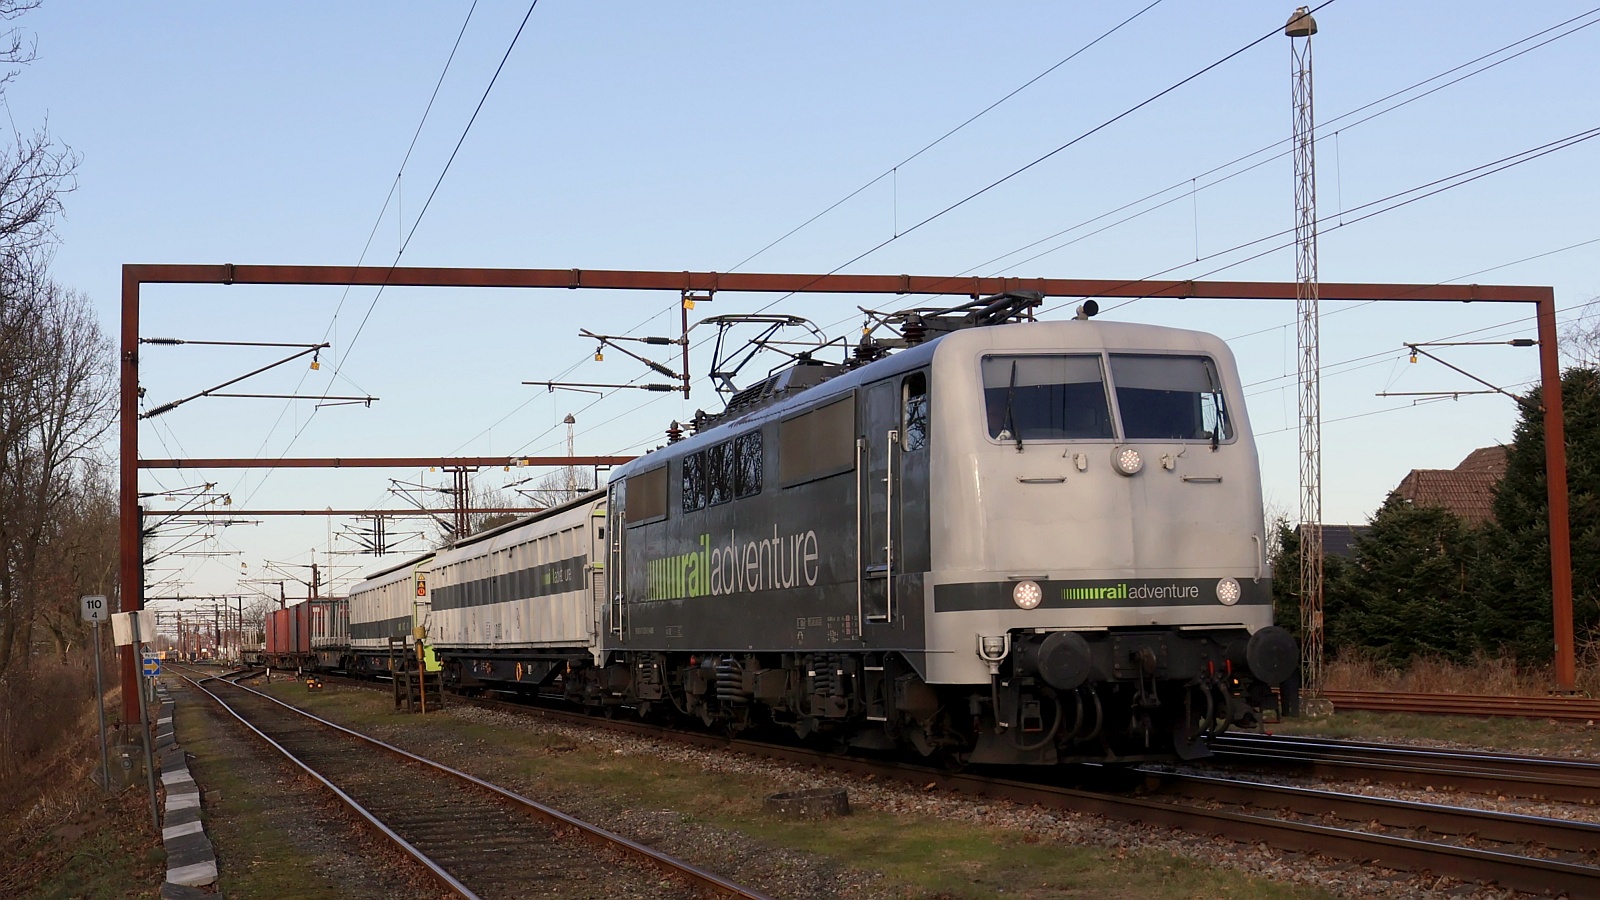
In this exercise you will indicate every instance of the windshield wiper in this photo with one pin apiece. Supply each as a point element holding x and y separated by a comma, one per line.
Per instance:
<point>1011,418</point>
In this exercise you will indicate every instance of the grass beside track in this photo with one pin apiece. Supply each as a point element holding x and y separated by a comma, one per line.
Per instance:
<point>916,855</point>
<point>1507,734</point>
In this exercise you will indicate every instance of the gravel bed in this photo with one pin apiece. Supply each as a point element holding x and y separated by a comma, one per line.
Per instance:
<point>788,873</point>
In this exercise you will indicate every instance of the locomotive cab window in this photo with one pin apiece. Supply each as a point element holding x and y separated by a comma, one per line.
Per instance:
<point>914,411</point>
<point>1045,398</point>
<point>1171,398</point>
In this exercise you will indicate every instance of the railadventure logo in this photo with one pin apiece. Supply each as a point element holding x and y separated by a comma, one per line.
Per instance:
<point>784,561</point>
<point>1121,591</point>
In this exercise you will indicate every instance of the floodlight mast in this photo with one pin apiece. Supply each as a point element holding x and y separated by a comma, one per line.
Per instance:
<point>1299,30</point>
<point>135,276</point>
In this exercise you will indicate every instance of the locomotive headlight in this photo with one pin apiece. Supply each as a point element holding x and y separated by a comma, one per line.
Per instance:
<point>1228,591</point>
<point>1027,594</point>
<point>1127,461</point>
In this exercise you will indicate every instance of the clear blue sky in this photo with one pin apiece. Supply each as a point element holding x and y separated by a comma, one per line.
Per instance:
<point>689,136</point>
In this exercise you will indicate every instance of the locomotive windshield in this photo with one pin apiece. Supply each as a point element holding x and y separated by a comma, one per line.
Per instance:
<point>1045,398</point>
<point>1172,398</point>
<point>1062,397</point>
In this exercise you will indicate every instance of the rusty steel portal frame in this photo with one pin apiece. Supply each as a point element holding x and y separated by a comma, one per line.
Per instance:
<point>134,276</point>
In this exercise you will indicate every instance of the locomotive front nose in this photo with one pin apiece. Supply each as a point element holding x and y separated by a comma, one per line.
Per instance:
<point>1272,654</point>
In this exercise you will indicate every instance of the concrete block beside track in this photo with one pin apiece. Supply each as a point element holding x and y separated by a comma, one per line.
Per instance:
<point>191,859</point>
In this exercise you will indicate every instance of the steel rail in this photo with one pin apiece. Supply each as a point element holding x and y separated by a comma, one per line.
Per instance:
<point>438,872</point>
<point>1456,821</point>
<point>694,875</point>
<point>1506,869</point>
<point>1499,773</point>
<point>1576,709</point>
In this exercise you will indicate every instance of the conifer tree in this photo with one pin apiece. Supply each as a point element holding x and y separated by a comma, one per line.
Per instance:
<point>1513,609</point>
<point>1407,591</point>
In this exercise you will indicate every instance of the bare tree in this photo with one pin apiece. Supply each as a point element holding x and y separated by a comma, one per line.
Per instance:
<point>561,486</point>
<point>1580,337</point>
<point>56,401</point>
<point>16,49</point>
<point>479,497</point>
<point>80,559</point>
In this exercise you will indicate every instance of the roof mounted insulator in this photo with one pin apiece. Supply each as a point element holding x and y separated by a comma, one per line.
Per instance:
<point>914,331</point>
<point>866,351</point>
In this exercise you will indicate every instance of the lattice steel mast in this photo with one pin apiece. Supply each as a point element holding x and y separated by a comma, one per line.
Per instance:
<point>1299,30</point>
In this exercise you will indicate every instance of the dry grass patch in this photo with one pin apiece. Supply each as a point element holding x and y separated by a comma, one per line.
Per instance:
<point>1492,675</point>
<point>60,834</point>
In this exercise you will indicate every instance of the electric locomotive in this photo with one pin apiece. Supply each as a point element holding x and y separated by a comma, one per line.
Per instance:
<point>1029,542</point>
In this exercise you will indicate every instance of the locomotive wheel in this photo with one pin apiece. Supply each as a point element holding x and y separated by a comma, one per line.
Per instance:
<point>804,727</point>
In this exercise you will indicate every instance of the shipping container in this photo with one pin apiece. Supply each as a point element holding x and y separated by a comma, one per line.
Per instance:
<point>330,623</point>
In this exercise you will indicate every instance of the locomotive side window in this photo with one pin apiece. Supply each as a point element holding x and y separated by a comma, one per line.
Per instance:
<point>1045,398</point>
<point>720,472</point>
<point>748,464</point>
<point>818,443</point>
<point>1175,398</point>
<point>646,497</point>
<point>914,411</point>
<point>694,481</point>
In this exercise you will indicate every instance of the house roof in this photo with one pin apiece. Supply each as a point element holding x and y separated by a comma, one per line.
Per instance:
<point>1485,459</point>
<point>1339,540</point>
<point>1467,490</point>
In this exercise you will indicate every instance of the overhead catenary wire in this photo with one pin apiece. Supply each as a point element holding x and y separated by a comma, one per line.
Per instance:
<point>1421,192</point>
<point>416,223</point>
<point>1323,131</point>
<point>1085,135</point>
<point>372,233</point>
<point>943,137</point>
<point>1494,268</point>
<point>1340,120</point>
<point>885,173</point>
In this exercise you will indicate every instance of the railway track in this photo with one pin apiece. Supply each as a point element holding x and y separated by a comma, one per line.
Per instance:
<point>1529,853</point>
<point>1534,777</point>
<point>1570,709</point>
<point>477,839</point>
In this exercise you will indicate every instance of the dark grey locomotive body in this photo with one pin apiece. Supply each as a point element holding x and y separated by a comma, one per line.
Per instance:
<point>1023,543</point>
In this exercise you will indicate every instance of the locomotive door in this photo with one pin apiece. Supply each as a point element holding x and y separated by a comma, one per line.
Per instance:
<point>613,578</point>
<point>597,551</point>
<point>877,509</point>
